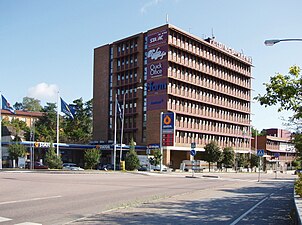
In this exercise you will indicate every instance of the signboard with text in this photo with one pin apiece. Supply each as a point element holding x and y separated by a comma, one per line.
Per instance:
<point>167,121</point>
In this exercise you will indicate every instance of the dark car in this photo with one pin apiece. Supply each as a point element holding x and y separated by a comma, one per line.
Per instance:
<point>105,167</point>
<point>298,171</point>
<point>37,165</point>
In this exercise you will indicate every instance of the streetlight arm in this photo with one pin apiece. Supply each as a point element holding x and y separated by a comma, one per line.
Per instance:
<point>271,42</point>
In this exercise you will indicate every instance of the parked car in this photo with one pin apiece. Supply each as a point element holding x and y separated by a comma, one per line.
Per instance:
<point>105,167</point>
<point>157,168</point>
<point>298,171</point>
<point>37,165</point>
<point>71,166</point>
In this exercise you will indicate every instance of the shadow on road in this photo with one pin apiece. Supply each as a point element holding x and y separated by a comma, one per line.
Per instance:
<point>276,209</point>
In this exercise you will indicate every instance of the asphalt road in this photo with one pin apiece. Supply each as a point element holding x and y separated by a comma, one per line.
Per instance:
<point>126,198</point>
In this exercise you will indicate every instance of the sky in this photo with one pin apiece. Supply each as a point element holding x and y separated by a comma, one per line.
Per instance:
<point>47,46</point>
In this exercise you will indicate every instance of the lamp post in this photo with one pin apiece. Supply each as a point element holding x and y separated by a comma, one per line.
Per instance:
<point>271,42</point>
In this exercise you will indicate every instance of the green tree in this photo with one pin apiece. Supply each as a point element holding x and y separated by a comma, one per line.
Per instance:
<point>79,129</point>
<point>254,161</point>
<point>92,158</point>
<point>52,160</point>
<point>212,153</point>
<point>46,126</point>
<point>242,160</point>
<point>19,128</point>
<point>228,157</point>
<point>156,159</point>
<point>31,104</point>
<point>132,161</point>
<point>16,150</point>
<point>286,92</point>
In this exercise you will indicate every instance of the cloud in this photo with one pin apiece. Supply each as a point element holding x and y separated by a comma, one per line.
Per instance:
<point>148,5</point>
<point>44,92</point>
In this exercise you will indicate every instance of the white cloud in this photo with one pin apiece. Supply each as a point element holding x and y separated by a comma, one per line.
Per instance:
<point>44,92</point>
<point>148,5</point>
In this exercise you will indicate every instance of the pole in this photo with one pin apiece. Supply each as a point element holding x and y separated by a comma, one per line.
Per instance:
<point>161,141</point>
<point>114,142</point>
<point>58,121</point>
<point>122,129</point>
<point>0,131</point>
<point>259,167</point>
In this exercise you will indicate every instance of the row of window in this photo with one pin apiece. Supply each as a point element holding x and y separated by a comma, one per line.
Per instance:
<point>201,109</point>
<point>128,74</point>
<point>206,95</point>
<point>125,46</point>
<point>128,60</point>
<point>212,70</point>
<point>194,61</point>
<point>203,50</point>
<point>189,137</point>
<point>209,126</point>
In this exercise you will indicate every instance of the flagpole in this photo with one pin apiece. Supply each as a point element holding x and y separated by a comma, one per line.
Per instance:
<point>0,131</point>
<point>114,142</point>
<point>122,129</point>
<point>58,120</point>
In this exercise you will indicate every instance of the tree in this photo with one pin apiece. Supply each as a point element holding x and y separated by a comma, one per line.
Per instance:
<point>254,161</point>
<point>132,161</point>
<point>156,159</point>
<point>46,126</point>
<point>286,91</point>
<point>16,150</point>
<point>212,153</point>
<point>19,128</point>
<point>31,104</point>
<point>242,160</point>
<point>92,158</point>
<point>228,157</point>
<point>79,129</point>
<point>52,160</point>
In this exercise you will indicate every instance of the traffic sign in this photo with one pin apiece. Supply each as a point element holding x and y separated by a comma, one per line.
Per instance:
<point>193,152</point>
<point>193,145</point>
<point>260,152</point>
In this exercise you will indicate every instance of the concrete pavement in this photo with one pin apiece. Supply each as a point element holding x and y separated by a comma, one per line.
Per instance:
<point>229,204</point>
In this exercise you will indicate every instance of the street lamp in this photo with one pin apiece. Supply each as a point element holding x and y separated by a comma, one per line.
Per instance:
<point>271,42</point>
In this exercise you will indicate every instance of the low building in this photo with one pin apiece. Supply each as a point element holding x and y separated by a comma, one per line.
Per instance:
<point>279,151</point>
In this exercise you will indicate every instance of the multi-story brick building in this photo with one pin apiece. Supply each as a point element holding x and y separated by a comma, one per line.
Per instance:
<point>206,84</point>
<point>279,150</point>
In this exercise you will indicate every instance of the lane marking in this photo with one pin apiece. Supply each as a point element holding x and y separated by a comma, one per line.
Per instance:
<point>250,210</point>
<point>3,219</point>
<point>30,200</point>
<point>28,223</point>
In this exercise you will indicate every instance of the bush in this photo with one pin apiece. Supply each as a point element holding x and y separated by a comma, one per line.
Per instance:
<point>92,158</point>
<point>298,185</point>
<point>132,161</point>
<point>52,160</point>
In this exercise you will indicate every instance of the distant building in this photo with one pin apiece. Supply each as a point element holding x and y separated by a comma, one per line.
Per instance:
<point>206,84</point>
<point>8,133</point>
<point>278,148</point>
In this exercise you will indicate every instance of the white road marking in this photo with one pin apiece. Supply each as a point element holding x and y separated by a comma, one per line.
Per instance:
<point>30,200</point>
<point>3,219</point>
<point>28,223</point>
<point>250,210</point>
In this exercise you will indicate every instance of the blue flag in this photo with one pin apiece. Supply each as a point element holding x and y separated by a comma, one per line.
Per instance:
<point>119,110</point>
<point>7,106</point>
<point>69,110</point>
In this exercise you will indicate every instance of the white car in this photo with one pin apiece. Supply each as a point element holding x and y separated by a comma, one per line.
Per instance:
<point>71,166</point>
